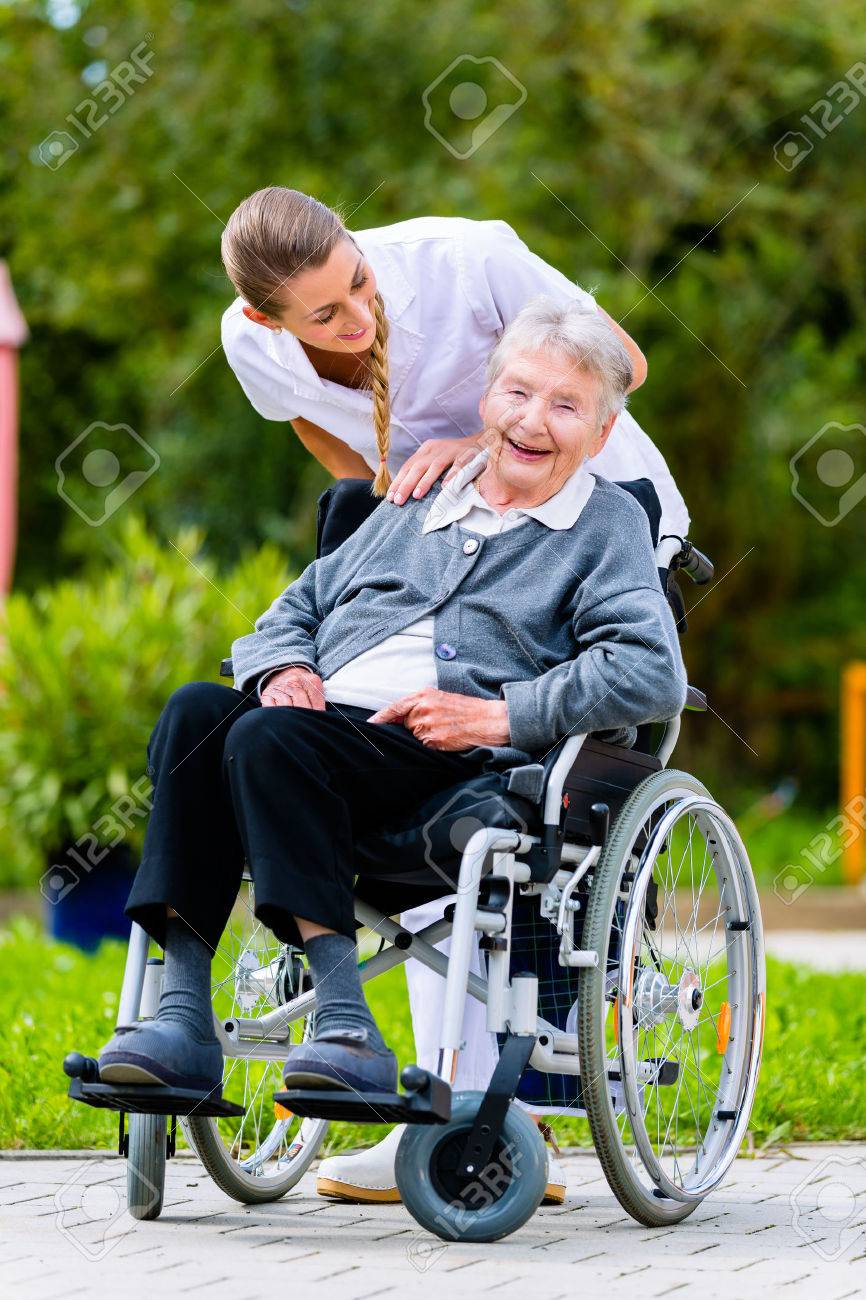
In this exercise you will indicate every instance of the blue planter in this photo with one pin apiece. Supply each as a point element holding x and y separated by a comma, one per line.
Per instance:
<point>84,907</point>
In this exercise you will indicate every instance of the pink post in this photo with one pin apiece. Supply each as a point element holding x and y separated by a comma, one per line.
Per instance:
<point>13,332</point>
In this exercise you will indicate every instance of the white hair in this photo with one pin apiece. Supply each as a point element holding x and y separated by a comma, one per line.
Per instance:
<point>576,332</point>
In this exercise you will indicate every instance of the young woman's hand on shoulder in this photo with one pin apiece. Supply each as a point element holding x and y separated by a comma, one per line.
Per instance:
<point>418,474</point>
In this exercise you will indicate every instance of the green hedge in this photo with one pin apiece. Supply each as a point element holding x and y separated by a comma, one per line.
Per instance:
<point>86,666</point>
<point>642,159</point>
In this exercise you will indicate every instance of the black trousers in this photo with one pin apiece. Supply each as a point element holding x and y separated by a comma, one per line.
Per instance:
<point>285,790</point>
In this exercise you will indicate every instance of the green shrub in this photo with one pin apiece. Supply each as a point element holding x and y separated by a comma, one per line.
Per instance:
<point>85,669</point>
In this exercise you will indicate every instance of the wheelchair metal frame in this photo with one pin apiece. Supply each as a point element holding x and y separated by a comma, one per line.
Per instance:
<point>509,1007</point>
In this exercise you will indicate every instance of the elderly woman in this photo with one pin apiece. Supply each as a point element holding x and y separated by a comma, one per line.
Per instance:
<point>441,639</point>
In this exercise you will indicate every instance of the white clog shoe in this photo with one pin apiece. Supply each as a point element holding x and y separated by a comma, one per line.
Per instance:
<point>365,1176</point>
<point>369,1175</point>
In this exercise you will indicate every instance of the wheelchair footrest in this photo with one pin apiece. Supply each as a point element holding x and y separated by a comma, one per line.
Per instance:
<point>152,1099</point>
<point>427,1100</point>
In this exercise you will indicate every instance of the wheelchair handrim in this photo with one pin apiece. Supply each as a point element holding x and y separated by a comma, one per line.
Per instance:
<point>716,1149</point>
<point>262,1155</point>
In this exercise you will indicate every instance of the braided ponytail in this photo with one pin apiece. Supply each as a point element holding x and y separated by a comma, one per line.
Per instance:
<point>272,236</point>
<point>381,397</point>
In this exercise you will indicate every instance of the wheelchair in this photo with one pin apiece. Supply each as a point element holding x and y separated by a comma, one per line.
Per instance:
<point>617,911</point>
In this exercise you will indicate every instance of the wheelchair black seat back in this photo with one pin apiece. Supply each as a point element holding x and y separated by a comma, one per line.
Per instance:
<point>344,506</point>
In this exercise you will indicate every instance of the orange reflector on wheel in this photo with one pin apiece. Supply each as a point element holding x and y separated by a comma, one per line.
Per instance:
<point>723,1028</point>
<point>616,1021</point>
<point>281,1112</point>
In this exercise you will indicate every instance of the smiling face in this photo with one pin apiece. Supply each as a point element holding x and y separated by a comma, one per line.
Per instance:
<point>543,412</point>
<point>329,306</point>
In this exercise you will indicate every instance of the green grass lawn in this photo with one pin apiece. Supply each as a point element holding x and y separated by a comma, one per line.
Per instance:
<point>813,1081</point>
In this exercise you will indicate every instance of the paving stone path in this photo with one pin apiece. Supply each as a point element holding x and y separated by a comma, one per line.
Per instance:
<point>789,1224</point>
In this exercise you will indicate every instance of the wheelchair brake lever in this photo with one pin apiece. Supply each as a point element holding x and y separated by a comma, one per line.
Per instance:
<point>568,954</point>
<point>599,826</point>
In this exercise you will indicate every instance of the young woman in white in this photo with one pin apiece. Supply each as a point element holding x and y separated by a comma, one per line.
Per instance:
<point>373,344</point>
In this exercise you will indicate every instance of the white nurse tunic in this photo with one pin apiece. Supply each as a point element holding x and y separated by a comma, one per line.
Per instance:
<point>450,287</point>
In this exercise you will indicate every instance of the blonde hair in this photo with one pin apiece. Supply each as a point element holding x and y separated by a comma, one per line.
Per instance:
<point>272,236</point>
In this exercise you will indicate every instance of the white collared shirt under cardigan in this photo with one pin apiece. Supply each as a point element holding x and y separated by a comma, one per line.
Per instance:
<point>450,287</point>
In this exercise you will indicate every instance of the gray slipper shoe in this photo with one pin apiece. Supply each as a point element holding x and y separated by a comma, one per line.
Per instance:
<point>341,1058</point>
<point>160,1051</point>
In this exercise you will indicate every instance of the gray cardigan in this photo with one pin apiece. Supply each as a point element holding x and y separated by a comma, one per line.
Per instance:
<point>569,626</point>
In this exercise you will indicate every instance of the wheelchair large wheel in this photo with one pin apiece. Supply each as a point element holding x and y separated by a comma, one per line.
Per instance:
<point>263,1154</point>
<point>498,1201</point>
<point>671,1020</point>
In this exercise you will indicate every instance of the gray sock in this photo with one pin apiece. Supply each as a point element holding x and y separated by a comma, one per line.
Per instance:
<point>340,1002</point>
<point>186,986</point>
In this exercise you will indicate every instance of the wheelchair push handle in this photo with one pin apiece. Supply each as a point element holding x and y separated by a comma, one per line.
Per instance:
<point>675,552</point>
<point>697,565</point>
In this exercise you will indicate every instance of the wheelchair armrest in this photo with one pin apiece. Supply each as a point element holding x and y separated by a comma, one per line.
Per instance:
<point>557,765</point>
<point>547,778</point>
<point>533,780</point>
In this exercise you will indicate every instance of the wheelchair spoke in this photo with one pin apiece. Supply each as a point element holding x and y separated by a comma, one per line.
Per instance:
<point>684,954</point>
<point>707,1098</point>
<point>253,974</point>
<point>688,995</point>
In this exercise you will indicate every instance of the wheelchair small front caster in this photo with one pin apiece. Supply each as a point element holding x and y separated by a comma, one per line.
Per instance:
<point>145,1169</point>
<point>497,1200</point>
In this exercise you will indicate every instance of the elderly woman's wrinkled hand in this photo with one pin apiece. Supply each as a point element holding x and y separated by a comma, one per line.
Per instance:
<point>445,720</point>
<point>294,688</point>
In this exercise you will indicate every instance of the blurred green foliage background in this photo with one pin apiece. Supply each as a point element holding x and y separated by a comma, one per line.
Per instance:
<point>641,164</point>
